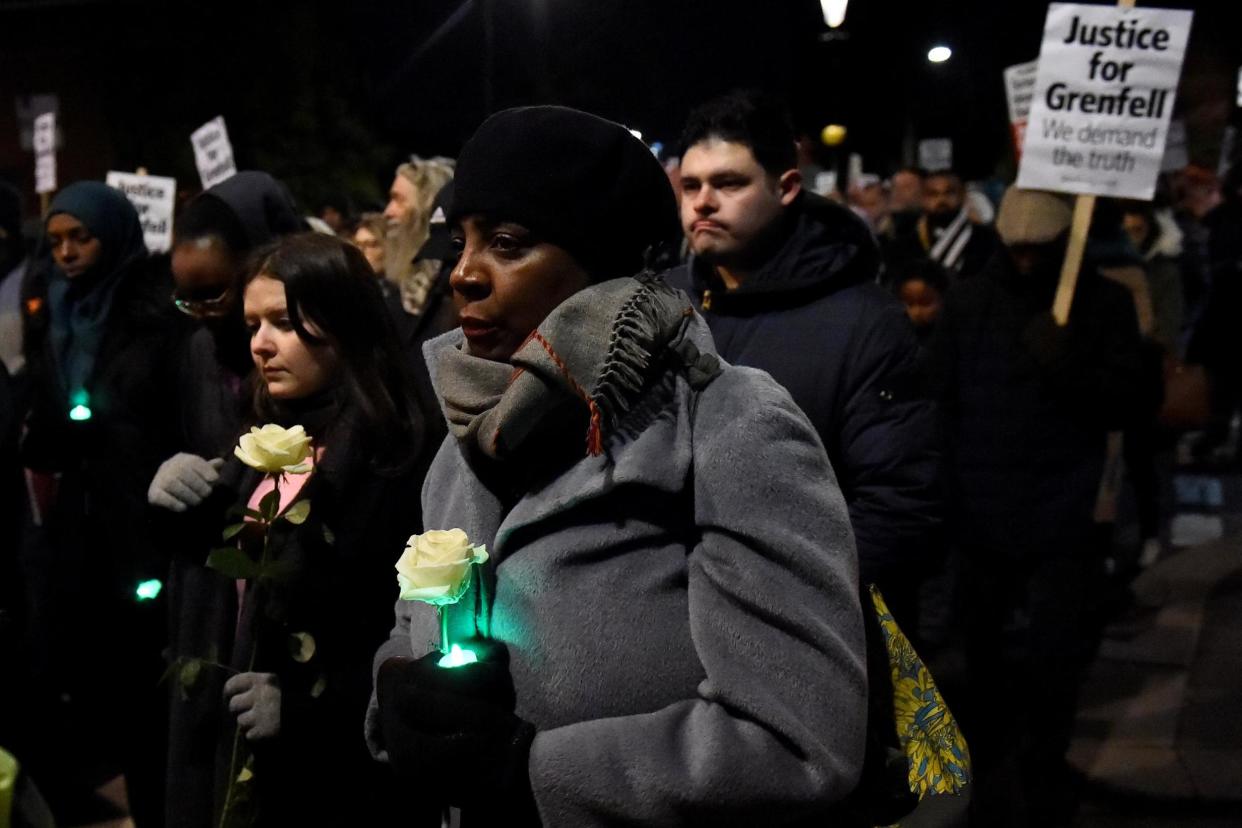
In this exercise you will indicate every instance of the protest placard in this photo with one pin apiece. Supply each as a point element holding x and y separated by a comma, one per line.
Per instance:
<point>45,153</point>
<point>1099,118</point>
<point>936,154</point>
<point>1104,95</point>
<point>213,153</point>
<point>153,197</point>
<point>29,107</point>
<point>1019,89</point>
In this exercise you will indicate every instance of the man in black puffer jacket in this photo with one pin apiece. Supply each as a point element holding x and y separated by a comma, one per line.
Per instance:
<point>787,282</point>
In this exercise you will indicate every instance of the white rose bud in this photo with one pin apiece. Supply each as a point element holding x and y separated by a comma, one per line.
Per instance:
<point>273,450</point>
<point>435,567</point>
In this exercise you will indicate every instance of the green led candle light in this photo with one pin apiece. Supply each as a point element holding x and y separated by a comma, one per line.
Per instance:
<point>149,590</point>
<point>81,409</point>
<point>457,656</point>
<point>437,568</point>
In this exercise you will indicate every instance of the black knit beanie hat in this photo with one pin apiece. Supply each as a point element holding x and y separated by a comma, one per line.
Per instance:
<point>576,180</point>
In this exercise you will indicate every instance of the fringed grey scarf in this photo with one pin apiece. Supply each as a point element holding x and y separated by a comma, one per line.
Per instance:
<point>600,346</point>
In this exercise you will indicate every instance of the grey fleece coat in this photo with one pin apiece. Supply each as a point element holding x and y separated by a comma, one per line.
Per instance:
<point>681,613</point>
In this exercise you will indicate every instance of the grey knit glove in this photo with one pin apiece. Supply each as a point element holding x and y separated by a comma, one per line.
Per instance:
<point>182,481</point>
<point>254,698</point>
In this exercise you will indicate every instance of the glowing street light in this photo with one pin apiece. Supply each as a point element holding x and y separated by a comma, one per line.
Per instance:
<point>939,54</point>
<point>834,12</point>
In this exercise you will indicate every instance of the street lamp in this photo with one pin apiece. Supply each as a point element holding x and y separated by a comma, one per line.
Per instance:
<point>834,12</point>
<point>939,54</point>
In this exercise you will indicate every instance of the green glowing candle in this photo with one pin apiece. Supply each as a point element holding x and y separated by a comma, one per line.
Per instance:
<point>81,405</point>
<point>457,657</point>
<point>148,590</point>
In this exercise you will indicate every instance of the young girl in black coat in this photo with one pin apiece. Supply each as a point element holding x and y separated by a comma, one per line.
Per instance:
<point>287,691</point>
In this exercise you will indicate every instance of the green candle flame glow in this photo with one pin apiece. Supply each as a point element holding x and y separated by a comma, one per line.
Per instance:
<point>458,657</point>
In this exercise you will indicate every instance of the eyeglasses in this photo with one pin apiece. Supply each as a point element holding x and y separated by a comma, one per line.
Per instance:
<point>209,308</point>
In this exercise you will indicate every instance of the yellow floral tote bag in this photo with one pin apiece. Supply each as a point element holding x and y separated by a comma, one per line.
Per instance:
<point>939,760</point>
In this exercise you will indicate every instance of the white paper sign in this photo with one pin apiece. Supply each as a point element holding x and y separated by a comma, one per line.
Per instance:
<point>45,152</point>
<point>213,153</point>
<point>1103,99</point>
<point>936,154</point>
<point>153,197</point>
<point>29,107</point>
<point>1019,89</point>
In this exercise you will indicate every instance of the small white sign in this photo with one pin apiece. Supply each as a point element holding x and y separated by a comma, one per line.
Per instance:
<point>1103,99</point>
<point>45,152</point>
<point>1019,89</point>
<point>29,107</point>
<point>936,154</point>
<point>153,197</point>
<point>213,153</point>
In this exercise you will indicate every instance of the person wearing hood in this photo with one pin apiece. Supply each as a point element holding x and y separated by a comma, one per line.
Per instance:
<point>671,624</point>
<point>214,236</point>
<point>1027,407</point>
<point>786,281</point>
<point>100,421</point>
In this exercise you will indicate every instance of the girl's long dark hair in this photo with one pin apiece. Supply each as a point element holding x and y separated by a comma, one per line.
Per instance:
<point>329,285</point>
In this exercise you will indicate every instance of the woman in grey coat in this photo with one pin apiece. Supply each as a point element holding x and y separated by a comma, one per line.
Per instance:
<point>670,614</point>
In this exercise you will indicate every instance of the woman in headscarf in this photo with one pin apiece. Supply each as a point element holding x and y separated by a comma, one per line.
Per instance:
<point>669,623</point>
<point>101,421</point>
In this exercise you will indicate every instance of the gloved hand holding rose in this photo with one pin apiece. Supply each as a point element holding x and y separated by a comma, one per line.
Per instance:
<point>437,721</point>
<point>254,698</point>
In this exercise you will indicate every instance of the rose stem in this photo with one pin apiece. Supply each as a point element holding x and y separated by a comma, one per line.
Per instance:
<point>254,649</point>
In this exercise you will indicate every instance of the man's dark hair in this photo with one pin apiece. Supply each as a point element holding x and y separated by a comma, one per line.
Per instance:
<point>919,172</point>
<point>750,118</point>
<point>947,172</point>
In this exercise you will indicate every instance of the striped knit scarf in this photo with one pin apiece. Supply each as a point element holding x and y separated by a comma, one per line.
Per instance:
<point>598,348</point>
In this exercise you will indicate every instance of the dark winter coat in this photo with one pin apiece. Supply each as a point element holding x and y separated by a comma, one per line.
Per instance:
<point>1027,405</point>
<point>814,319</point>
<point>106,461</point>
<point>318,770</point>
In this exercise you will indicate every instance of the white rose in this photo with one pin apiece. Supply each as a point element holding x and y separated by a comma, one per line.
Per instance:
<point>435,567</point>
<point>273,450</point>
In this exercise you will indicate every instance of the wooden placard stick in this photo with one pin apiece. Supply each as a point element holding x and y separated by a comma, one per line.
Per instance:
<point>1084,207</point>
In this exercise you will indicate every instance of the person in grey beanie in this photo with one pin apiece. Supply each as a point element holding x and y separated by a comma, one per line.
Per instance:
<point>669,622</point>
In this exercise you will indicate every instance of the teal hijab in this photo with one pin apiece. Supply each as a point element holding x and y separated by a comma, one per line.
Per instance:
<point>80,307</point>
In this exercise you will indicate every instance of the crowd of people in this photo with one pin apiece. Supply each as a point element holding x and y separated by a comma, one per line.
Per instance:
<point>700,416</point>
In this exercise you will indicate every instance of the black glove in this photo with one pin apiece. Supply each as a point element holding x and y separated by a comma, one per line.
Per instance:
<point>452,732</point>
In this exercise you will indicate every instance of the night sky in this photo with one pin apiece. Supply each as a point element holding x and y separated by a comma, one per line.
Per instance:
<point>331,95</point>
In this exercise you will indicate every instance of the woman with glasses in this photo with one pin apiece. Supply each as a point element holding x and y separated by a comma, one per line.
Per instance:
<point>101,421</point>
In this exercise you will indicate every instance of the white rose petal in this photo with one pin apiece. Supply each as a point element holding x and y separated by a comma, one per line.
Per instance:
<point>435,566</point>
<point>273,450</point>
